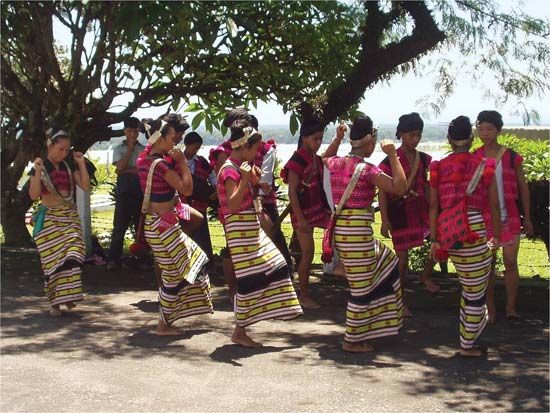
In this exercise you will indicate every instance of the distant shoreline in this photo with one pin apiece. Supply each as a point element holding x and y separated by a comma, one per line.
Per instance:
<point>433,132</point>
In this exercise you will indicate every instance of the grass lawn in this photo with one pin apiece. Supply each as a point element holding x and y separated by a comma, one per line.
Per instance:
<point>533,259</point>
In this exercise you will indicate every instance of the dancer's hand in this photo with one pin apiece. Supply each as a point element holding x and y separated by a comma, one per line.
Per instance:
<point>177,155</point>
<point>433,251</point>
<point>255,174</point>
<point>79,158</point>
<point>493,243</point>
<point>385,229</point>
<point>387,147</point>
<point>340,131</point>
<point>38,164</point>
<point>246,171</point>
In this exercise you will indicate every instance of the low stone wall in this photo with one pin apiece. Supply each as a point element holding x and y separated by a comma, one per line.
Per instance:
<point>529,132</point>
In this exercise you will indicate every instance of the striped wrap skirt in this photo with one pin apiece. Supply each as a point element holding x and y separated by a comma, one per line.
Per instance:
<point>375,307</point>
<point>62,251</point>
<point>473,266</point>
<point>264,288</point>
<point>180,260</point>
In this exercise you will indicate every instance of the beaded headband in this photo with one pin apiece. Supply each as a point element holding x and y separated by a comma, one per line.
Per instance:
<point>360,142</point>
<point>156,135</point>
<point>249,132</point>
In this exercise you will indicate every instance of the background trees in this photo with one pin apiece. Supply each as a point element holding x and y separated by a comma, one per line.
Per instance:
<point>316,57</point>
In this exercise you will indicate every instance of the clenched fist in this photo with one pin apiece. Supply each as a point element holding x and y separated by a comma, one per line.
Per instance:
<point>38,163</point>
<point>78,157</point>
<point>177,155</point>
<point>387,147</point>
<point>246,171</point>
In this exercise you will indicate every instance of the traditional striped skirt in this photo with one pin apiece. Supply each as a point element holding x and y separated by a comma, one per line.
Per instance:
<point>264,288</point>
<point>180,260</point>
<point>375,308</point>
<point>473,265</point>
<point>61,247</point>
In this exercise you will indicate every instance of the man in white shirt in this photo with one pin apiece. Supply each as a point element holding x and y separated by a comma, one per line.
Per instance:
<point>128,194</point>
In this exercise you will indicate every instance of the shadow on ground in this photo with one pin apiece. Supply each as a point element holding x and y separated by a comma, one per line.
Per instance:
<point>118,317</point>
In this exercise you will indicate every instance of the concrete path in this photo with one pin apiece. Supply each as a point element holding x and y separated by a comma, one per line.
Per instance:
<point>104,355</point>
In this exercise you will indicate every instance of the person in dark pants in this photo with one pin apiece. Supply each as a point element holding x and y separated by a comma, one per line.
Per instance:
<point>203,189</point>
<point>128,194</point>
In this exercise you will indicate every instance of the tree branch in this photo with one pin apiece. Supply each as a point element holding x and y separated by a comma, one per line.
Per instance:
<point>376,61</point>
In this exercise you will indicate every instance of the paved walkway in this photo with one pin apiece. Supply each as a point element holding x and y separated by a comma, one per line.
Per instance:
<point>104,357</point>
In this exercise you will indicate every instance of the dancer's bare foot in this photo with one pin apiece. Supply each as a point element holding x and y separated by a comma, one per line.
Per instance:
<point>406,312</point>
<point>308,303</point>
<point>430,285</point>
<point>70,306</point>
<point>362,347</point>
<point>55,311</point>
<point>164,329</point>
<point>471,352</point>
<point>240,337</point>
<point>512,315</point>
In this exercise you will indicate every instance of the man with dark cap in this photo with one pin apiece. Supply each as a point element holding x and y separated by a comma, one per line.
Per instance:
<point>128,194</point>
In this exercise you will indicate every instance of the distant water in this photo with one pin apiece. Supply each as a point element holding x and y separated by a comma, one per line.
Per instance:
<point>285,151</point>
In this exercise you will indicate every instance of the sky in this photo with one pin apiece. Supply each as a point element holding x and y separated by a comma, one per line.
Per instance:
<point>384,103</point>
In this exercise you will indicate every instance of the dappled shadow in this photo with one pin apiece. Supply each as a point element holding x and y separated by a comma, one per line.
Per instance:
<point>119,314</point>
<point>147,306</point>
<point>148,339</point>
<point>230,353</point>
<point>95,329</point>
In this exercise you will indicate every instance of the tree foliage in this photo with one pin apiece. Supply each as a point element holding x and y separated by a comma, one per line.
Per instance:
<point>310,57</point>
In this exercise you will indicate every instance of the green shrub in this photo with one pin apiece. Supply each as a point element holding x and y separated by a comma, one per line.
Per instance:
<point>418,257</point>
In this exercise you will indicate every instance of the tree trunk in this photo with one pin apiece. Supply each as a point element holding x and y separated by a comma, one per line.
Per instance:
<point>16,153</point>
<point>14,208</point>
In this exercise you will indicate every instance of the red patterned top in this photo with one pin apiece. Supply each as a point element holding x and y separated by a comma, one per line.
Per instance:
<point>412,211</point>
<point>161,191</point>
<point>59,176</point>
<point>420,182</point>
<point>230,171</point>
<point>509,162</point>
<point>309,168</point>
<point>341,170</point>
<point>202,171</point>
<point>451,176</point>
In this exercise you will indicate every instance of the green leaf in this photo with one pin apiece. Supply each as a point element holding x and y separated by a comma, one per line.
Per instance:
<point>175,104</point>
<point>197,120</point>
<point>293,124</point>
<point>193,107</point>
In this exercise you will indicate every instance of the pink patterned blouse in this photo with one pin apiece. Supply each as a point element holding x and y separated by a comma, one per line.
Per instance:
<point>341,170</point>
<point>231,173</point>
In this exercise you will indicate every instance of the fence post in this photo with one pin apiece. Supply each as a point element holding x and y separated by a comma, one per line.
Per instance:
<point>83,205</point>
